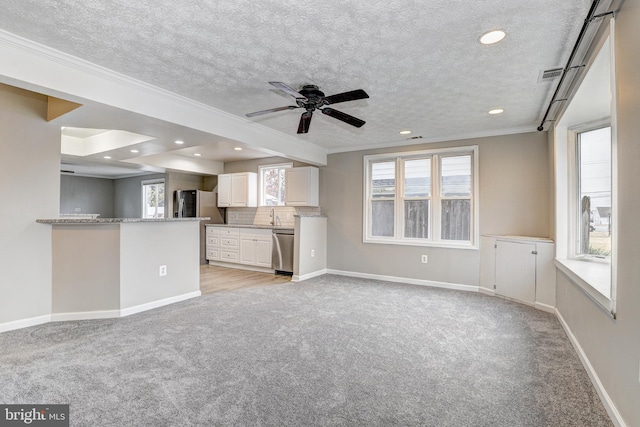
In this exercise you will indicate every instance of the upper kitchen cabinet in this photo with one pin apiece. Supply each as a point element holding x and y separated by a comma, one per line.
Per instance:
<point>302,186</point>
<point>238,190</point>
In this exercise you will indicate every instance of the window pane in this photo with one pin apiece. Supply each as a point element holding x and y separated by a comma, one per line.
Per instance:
<point>273,186</point>
<point>456,176</point>
<point>416,219</point>
<point>595,192</point>
<point>456,220</point>
<point>153,196</point>
<point>382,218</point>
<point>417,178</point>
<point>383,179</point>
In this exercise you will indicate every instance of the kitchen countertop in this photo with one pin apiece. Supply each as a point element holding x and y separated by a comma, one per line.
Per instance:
<point>114,220</point>
<point>266,227</point>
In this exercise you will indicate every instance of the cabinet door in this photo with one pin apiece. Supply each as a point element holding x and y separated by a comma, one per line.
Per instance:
<point>263,251</point>
<point>224,190</point>
<point>301,186</point>
<point>239,185</point>
<point>516,270</point>
<point>247,250</point>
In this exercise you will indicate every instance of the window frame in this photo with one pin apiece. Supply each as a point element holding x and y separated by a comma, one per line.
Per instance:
<point>261,182</point>
<point>142,198</point>
<point>435,217</point>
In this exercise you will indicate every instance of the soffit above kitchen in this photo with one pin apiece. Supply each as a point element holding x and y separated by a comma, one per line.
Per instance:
<point>420,62</point>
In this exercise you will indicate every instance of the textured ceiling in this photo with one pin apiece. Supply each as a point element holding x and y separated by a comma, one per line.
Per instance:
<point>419,61</point>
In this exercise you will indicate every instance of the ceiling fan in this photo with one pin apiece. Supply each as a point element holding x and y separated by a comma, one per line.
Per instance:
<point>311,98</point>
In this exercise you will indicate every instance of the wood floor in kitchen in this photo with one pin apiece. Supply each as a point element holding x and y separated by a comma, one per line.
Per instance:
<point>217,279</point>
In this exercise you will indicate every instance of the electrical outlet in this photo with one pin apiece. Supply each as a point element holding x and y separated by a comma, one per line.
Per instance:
<point>313,253</point>
<point>424,259</point>
<point>163,270</point>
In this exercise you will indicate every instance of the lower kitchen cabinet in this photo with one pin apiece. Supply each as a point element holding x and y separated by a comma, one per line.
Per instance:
<point>255,247</point>
<point>247,246</point>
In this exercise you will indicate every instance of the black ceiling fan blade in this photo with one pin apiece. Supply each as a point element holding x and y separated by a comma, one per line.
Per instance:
<point>346,96</point>
<point>288,89</point>
<point>305,121</point>
<point>353,121</point>
<point>271,110</point>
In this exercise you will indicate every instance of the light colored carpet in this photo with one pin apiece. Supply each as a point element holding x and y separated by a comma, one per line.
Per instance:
<point>329,351</point>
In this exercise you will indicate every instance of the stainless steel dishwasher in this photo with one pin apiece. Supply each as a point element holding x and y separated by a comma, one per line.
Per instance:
<point>282,254</point>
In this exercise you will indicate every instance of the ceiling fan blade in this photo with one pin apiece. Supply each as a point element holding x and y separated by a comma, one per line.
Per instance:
<point>287,89</point>
<point>346,96</point>
<point>271,110</point>
<point>353,121</point>
<point>305,121</point>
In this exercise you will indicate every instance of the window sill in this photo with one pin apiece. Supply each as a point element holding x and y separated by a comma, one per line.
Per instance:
<point>594,278</point>
<point>422,243</point>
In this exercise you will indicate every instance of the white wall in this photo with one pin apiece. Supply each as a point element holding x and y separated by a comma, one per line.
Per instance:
<point>613,346</point>
<point>30,189</point>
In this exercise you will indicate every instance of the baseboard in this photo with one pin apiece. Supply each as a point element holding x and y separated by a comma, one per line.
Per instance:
<point>444,285</point>
<point>615,416</point>
<point>24,323</point>
<point>486,291</point>
<point>85,315</point>
<point>159,303</point>
<point>545,307</point>
<point>296,278</point>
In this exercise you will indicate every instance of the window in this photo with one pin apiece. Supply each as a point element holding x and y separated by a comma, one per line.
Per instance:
<point>272,184</point>
<point>593,181</point>
<point>153,199</point>
<point>585,180</point>
<point>422,198</point>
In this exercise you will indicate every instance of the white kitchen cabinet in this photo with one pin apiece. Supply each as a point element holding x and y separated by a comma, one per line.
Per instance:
<point>238,190</point>
<point>212,244</point>
<point>255,247</point>
<point>302,186</point>
<point>519,268</point>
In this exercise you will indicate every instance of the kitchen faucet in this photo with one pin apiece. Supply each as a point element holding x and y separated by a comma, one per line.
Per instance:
<point>273,222</point>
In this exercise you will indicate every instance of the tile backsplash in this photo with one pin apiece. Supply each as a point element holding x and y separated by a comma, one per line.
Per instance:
<point>284,215</point>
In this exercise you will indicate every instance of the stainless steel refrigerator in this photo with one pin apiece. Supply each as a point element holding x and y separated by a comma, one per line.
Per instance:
<point>198,203</point>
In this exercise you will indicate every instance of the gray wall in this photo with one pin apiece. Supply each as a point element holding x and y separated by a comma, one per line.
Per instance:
<point>91,195</point>
<point>127,200</point>
<point>30,186</point>
<point>514,199</point>
<point>613,346</point>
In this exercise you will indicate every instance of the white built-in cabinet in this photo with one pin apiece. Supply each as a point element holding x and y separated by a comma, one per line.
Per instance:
<point>302,186</point>
<point>246,246</point>
<point>519,268</point>
<point>238,190</point>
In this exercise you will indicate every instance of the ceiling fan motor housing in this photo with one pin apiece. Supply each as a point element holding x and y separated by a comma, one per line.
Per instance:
<point>315,97</point>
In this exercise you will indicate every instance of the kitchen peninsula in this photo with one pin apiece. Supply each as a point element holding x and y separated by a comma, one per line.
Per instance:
<point>113,267</point>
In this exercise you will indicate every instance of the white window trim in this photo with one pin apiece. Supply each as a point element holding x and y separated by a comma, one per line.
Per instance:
<point>434,223</point>
<point>261,192</point>
<point>150,182</point>
<point>587,274</point>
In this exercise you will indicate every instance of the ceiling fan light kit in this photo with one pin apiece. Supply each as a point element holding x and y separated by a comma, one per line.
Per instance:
<point>311,98</point>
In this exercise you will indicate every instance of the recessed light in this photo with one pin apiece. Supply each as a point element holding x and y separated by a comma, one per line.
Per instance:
<point>179,142</point>
<point>197,154</point>
<point>492,37</point>
<point>496,111</point>
<point>107,157</point>
<point>405,132</point>
<point>134,151</point>
<point>238,148</point>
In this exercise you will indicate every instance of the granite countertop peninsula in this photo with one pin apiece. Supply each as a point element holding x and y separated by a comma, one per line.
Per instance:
<point>71,220</point>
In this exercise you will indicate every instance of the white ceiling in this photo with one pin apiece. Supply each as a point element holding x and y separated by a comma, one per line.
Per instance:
<point>419,61</point>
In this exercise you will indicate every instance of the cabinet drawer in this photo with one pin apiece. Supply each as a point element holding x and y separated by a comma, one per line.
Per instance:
<point>229,242</point>
<point>229,231</point>
<point>213,253</point>
<point>213,240</point>
<point>213,231</point>
<point>230,256</point>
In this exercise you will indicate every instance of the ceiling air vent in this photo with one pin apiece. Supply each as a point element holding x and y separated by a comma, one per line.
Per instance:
<point>549,75</point>
<point>415,137</point>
